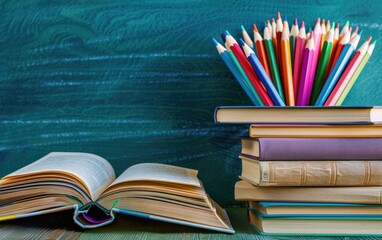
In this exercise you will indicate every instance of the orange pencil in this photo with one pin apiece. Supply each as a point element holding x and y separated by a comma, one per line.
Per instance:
<point>287,66</point>
<point>261,50</point>
<point>323,34</point>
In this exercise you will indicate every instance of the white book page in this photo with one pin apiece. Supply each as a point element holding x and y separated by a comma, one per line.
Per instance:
<point>159,172</point>
<point>94,171</point>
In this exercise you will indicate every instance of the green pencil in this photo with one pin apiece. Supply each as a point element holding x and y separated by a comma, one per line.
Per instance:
<point>322,65</point>
<point>272,61</point>
<point>356,74</point>
<point>246,79</point>
<point>293,36</point>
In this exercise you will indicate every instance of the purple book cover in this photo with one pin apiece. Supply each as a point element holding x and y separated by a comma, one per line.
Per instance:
<point>320,148</point>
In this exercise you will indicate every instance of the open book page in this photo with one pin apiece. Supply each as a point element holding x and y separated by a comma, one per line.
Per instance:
<point>94,171</point>
<point>159,172</point>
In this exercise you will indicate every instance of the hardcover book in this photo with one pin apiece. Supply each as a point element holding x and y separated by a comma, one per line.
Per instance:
<point>87,183</point>
<point>305,115</point>
<point>273,149</point>
<point>316,225</point>
<point>245,191</point>
<point>311,173</point>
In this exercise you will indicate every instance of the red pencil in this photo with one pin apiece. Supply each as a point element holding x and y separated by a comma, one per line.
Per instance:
<point>279,32</point>
<point>300,45</point>
<point>260,49</point>
<point>347,74</point>
<point>231,44</point>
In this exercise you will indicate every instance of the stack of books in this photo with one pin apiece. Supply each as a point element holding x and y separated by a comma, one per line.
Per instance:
<point>308,170</point>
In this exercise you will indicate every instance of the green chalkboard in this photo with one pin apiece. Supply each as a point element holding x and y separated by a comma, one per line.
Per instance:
<point>138,81</point>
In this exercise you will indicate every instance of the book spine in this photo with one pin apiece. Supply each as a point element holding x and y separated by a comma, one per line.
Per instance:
<point>321,173</point>
<point>320,148</point>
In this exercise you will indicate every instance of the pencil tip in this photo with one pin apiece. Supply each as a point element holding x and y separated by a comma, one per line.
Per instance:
<point>295,21</point>
<point>360,32</point>
<point>227,33</point>
<point>356,29</point>
<point>323,21</point>
<point>369,39</point>
<point>273,20</point>
<point>268,22</point>
<point>318,21</point>
<point>242,28</point>
<point>223,35</point>
<point>255,28</point>
<point>242,42</point>
<point>347,23</point>
<point>265,25</point>
<point>278,15</point>
<point>215,41</point>
<point>285,19</point>
<point>375,42</point>
<point>332,26</point>
<point>338,25</point>
<point>302,24</point>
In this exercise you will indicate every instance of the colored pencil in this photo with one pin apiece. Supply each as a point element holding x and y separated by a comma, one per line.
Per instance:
<point>322,65</point>
<point>308,54</point>
<point>334,48</point>
<point>328,26</point>
<point>286,66</point>
<point>274,39</point>
<point>347,74</point>
<point>246,37</point>
<point>344,30</point>
<point>235,48</point>
<point>260,49</point>
<point>345,40</point>
<point>317,47</point>
<point>355,32</point>
<point>272,62</point>
<point>300,45</point>
<point>323,33</point>
<point>353,79</point>
<point>269,25</point>
<point>262,74</point>
<point>279,31</point>
<point>338,68</point>
<point>231,66</point>
<point>293,36</point>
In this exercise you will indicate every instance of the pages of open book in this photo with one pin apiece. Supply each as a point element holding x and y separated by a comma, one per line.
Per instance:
<point>94,171</point>
<point>159,172</point>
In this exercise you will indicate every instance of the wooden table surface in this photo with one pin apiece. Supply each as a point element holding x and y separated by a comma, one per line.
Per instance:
<point>62,227</point>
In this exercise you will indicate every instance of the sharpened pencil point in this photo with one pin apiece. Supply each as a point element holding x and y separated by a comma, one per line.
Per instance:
<point>242,42</point>
<point>255,28</point>
<point>338,25</point>
<point>227,33</point>
<point>268,22</point>
<point>360,32</point>
<point>215,41</point>
<point>278,15</point>
<point>347,23</point>
<point>265,25</point>
<point>369,39</point>
<point>285,19</point>
<point>356,30</point>
<point>318,20</point>
<point>302,24</point>
<point>333,24</point>
<point>375,42</point>
<point>295,22</point>
<point>223,35</point>
<point>242,28</point>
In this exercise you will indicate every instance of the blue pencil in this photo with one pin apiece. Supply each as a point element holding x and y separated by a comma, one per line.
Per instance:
<point>231,66</point>
<point>262,74</point>
<point>335,74</point>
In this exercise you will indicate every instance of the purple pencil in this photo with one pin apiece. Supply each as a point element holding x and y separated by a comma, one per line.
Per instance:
<point>306,68</point>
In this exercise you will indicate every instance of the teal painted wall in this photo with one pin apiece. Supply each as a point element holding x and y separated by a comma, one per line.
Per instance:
<point>138,81</point>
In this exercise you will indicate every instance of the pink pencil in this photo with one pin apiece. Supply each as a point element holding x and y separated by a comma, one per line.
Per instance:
<point>304,91</point>
<point>317,49</point>
<point>347,74</point>
<point>300,45</point>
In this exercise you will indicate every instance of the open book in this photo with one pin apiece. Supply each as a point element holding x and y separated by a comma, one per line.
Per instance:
<point>86,183</point>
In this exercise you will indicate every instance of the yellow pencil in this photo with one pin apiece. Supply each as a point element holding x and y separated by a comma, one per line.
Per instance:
<point>285,60</point>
